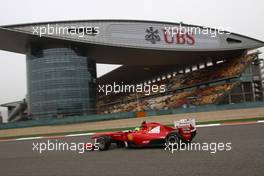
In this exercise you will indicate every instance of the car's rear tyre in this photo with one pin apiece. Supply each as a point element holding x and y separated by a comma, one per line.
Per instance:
<point>104,142</point>
<point>173,139</point>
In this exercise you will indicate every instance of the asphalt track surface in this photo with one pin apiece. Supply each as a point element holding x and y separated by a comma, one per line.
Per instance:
<point>245,158</point>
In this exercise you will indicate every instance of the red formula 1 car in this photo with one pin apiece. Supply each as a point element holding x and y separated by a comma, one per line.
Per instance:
<point>148,134</point>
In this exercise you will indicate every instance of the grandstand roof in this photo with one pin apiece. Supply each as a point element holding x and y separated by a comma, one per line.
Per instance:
<point>127,42</point>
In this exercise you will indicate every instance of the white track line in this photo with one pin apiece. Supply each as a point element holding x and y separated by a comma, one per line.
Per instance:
<point>29,138</point>
<point>208,125</point>
<point>43,137</point>
<point>81,134</point>
<point>260,121</point>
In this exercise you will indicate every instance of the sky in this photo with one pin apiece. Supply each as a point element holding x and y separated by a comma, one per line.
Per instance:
<point>243,17</point>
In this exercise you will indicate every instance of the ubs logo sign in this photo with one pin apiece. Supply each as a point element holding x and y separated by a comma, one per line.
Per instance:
<point>169,38</point>
<point>152,35</point>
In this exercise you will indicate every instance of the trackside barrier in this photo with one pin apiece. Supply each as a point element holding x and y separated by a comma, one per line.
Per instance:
<point>205,108</point>
<point>67,120</point>
<point>140,114</point>
<point>125,115</point>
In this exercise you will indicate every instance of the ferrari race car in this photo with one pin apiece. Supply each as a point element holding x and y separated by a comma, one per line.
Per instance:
<point>148,135</point>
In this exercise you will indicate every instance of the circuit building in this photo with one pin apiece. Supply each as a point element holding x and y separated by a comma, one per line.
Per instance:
<point>61,62</point>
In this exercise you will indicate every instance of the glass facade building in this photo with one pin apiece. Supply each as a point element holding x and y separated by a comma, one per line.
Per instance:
<point>61,81</point>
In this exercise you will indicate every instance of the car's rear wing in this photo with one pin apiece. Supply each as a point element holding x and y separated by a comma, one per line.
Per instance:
<point>184,123</point>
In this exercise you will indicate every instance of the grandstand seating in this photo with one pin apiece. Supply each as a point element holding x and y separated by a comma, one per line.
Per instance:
<point>230,68</point>
<point>200,96</point>
<point>176,95</point>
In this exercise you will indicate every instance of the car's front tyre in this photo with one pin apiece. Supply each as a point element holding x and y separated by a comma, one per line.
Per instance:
<point>104,142</point>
